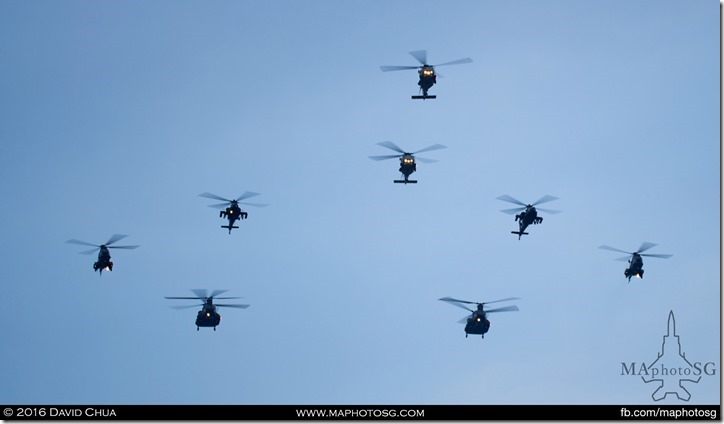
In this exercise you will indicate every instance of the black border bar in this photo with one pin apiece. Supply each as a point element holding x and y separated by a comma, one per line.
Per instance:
<point>359,412</point>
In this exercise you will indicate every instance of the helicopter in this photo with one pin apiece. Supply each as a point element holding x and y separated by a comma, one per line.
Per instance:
<point>407,160</point>
<point>232,211</point>
<point>528,213</point>
<point>426,72</point>
<point>104,256</point>
<point>477,322</point>
<point>207,316</point>
<point>636,264</point>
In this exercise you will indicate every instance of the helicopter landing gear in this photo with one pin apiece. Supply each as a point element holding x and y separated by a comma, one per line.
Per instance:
<point>466,335</point>
<point>214,328</point>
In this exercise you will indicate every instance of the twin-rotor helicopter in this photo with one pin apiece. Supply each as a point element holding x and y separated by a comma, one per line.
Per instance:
<point>208,316</point>
<point>477,322</point>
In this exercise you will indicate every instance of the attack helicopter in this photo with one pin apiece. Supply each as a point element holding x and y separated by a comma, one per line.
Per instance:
<point>636,264</point>
<point>428,78</point>
<point>104,256</point>
<point>207,316</point>
<point>407,160</point>
<point>477,322</point>
<point>232,211</point>
<point>528,213</point>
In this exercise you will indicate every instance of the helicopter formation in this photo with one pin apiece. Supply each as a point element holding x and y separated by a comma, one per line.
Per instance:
<point>476,323</point>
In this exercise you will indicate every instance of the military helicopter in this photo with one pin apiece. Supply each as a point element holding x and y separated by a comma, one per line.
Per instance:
<point>407,160</point>
<point>528,213</point>
<point>207,316</point>
<point>636,264</point>
<point>477,322</point>
<point>104,256</point>
<point>426,72</point>
<point>232,211</point>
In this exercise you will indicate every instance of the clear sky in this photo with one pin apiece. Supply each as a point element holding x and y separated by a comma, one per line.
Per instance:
<point>115,115</point>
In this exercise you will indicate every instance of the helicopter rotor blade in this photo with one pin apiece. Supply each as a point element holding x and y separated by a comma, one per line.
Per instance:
<point>232,306</point>
<point>513,210</point>
<point>392,146</point>
<point>82,243</point>
<point>200,293</point>
<point>623,259</point>
<point>656,255</point>
<point>509,199</point>
<point>456,62</point>
<point>384,157</point>
<point>464,320</point>
<point>420,55</point>
<point>431,148</point>
<point>114,238</point>
<point>646,246</point>
<point>123,247</point>
<point>501,300</point>
<point>88,252</point>
<point>460,306</point>
<point>217,292</point>
<point>182,297</point>
<point>426,160</point>
<point>185,306</point>
<point>544,199</point>
<point>258,205</point>
<point>215,197</point>
<point>450,299</point>
<point>220,205</point>
<point>397,68</point>
<point>247,195</point>
<point>235,297</point>
<point>503,309</point>
<point>550,211</point>
<point>613,249</point>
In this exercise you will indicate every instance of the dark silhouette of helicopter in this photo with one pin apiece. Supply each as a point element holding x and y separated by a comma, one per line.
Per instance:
<point>426,72</point>
<point>477,322</point>
<point>407,160</point>
<point>104,256</point>
<point>636,264</point>
<point>232,211</point>
<point>207,316</point>
<point>528,213</point>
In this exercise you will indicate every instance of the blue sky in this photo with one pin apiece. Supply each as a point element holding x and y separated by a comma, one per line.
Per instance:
<point>116,115</point>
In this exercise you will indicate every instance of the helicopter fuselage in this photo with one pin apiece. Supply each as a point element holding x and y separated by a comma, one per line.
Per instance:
<point>208,317</point>
<point>477,324</point>
<point>427,79</point>
<point>232,213</point>
<point>525,218</point>
<point>407,167</point>
<point>636,267</point>
<point>104,260</point>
